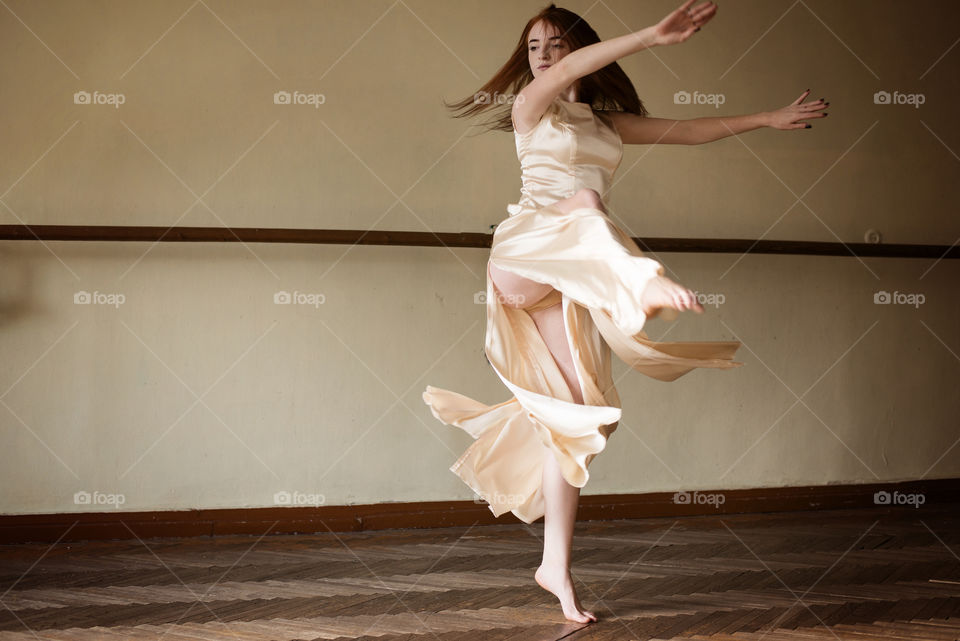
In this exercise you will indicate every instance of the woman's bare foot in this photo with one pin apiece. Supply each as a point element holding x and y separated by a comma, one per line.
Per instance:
<point>556,579</point>
<point>661,292</point>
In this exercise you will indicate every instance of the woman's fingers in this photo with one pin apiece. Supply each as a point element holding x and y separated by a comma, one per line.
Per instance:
<point>684,21</point>
<point>800,99</point>
<point>811,111</point>
<point>703,12</point>
<point>799,118</point>
<point>793,115</point>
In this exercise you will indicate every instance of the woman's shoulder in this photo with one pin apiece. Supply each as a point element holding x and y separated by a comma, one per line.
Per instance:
<point>607,115</point>
<point>612,118</point>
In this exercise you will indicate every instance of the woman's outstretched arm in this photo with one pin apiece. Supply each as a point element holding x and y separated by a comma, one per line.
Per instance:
<point>648,131</point>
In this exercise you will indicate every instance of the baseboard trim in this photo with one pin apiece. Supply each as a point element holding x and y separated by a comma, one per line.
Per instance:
<point>79,526</point>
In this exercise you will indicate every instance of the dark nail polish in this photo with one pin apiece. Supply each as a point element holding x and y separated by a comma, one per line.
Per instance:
<point>825,114</point>
<point>808,126</point>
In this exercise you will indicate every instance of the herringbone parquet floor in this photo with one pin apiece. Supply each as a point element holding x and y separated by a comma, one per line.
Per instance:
<point>849,575</point>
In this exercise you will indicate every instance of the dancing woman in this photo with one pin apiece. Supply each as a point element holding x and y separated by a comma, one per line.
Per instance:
<point>565,284</point>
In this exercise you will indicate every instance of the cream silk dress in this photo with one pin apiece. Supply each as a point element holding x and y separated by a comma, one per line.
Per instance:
<point>598,274</point>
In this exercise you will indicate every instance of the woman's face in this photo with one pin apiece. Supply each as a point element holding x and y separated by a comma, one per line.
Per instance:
<point>544,47</point>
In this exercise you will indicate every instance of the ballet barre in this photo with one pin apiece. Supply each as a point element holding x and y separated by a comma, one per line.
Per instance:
<point>133,233</point>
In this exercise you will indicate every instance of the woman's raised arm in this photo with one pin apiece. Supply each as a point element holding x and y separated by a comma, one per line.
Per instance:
<point>675,28</point>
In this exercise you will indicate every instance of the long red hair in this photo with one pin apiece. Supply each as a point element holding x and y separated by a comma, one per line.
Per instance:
<point>608,88</point>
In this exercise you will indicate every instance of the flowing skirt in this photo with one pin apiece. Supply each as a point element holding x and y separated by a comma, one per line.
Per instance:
<point>600,274</point>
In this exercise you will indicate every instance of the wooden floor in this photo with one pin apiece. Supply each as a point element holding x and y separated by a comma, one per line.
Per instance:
<point>845,575</point>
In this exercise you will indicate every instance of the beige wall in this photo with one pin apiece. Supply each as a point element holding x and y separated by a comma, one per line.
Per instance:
<point>198,391</point>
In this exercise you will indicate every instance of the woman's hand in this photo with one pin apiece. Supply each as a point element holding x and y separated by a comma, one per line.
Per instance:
<point>680,25</point>
<point>790,116</point>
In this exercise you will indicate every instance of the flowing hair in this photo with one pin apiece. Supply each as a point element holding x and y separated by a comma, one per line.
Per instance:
<point>608,88</point>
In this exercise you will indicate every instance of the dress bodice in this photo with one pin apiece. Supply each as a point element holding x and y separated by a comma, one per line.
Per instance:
<point>571,148</point>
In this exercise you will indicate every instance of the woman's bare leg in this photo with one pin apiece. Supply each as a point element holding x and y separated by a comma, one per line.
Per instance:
<point>560,498</point>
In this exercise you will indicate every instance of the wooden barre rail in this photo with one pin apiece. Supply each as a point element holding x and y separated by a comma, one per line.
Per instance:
<point>461,239</point>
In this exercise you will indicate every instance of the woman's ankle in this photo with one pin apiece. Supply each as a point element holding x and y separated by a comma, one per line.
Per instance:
<point>554,562</point>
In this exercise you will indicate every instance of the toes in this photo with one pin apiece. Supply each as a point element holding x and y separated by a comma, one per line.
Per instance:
<point>579,617</point>
<point>686,299</point>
